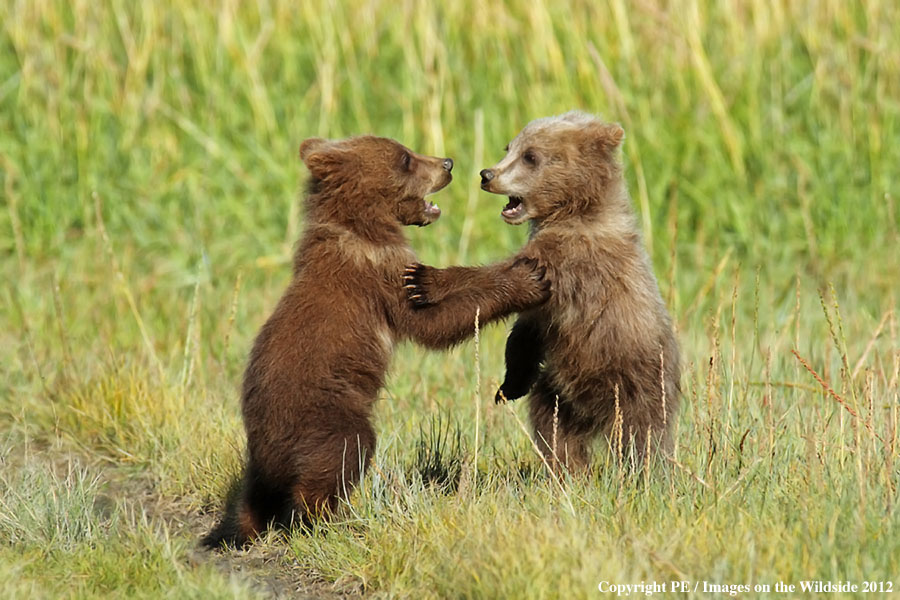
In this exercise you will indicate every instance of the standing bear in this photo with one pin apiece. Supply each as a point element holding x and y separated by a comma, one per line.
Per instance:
<point>600,355</point>
<point>319,361</point>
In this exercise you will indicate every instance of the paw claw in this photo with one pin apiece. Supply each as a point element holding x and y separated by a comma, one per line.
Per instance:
<point>416,284</point>
<point>418,302</point>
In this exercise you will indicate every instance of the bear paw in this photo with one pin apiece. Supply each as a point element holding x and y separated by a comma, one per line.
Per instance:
<point>533,273</point>
<point>416,280</point>
<point>508,392</point>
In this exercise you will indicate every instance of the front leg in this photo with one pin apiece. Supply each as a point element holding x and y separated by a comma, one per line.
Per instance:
<point>426,286</point>
<point>524,353</point>
<point>442,303</point>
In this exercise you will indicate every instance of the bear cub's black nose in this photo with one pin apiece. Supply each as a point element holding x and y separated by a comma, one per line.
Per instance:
<point>486,176</point>
<point>448,164</point>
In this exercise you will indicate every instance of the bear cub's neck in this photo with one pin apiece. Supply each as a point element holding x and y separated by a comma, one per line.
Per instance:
<point>369,219</point>
<point>607,213</point>
<point>361,235</point>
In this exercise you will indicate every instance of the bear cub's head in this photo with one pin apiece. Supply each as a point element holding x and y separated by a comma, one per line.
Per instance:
<point>556,167</point>
<point>371,179</point>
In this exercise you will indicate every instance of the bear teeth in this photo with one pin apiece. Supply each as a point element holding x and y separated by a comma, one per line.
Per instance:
<point>513,206</point>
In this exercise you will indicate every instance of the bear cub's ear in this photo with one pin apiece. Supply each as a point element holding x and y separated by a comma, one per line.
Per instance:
<point>322,157</point>
<point>605,137</point>
<point>309,146</point>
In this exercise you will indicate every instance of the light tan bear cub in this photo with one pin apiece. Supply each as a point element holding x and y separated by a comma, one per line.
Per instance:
<point>602,347</point>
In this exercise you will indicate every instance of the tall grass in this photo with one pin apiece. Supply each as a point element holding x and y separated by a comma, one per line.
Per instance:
<point>149,180</point>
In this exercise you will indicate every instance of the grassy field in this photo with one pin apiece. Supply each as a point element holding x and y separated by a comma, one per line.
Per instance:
<point>149,181</point>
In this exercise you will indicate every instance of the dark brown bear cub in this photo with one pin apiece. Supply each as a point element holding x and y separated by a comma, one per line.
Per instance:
<point>602,348</point>
<point>319,361</point>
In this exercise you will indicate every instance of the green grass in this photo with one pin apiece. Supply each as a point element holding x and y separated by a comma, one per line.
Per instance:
<point>64,538</point>
<point>149,179</point>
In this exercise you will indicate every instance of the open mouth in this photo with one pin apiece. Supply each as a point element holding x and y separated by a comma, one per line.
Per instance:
<point>432,210</point>
<point>514,209</point>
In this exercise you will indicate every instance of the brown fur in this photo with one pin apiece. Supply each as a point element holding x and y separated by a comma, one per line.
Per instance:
<point>605,332</point>
<point>319,361</point>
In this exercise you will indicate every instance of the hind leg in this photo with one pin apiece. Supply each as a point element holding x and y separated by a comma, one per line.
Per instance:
<point>261,505</point>
<point>644,434</point>
<point>331,462</point>
<point>249,509</point>
<point>563,437</point>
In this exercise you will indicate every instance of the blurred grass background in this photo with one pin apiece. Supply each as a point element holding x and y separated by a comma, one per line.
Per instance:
<point>149,182</point>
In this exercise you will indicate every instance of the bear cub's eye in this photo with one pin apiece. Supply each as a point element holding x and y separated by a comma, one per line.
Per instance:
<point>530,158</point>
<point>406,160</point>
